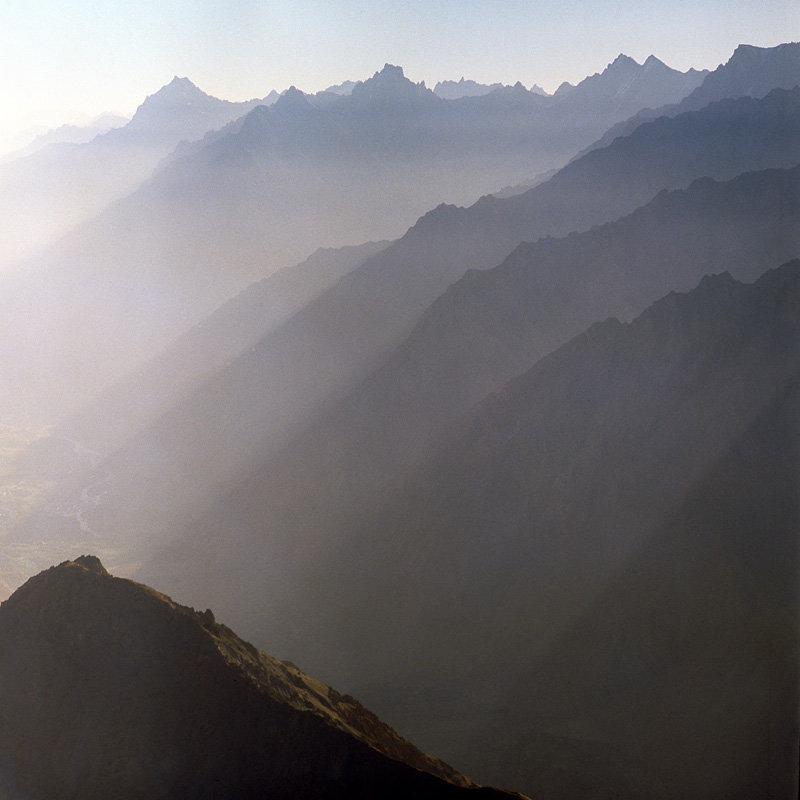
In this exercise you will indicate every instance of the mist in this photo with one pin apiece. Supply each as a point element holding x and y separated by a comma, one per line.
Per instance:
<point>479,404</point>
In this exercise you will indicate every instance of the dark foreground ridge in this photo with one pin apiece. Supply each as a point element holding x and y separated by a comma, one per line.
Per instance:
<point>109,689</point>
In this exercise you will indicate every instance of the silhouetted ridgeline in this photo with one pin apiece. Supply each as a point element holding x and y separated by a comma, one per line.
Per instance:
<point>261,400</point>
<point>110,690</point>
<point>546,495</point>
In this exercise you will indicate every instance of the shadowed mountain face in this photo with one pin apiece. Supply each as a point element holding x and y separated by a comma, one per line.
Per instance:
<point>512,530</point>
<point>689,660</point>
<point>485,329</point>
<point>264,398</point>
<point>109,689</point>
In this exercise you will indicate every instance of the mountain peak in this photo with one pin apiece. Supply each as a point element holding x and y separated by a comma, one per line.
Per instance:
<point>291,96</point>
<point>129,674</point>
<point>91,563</point>
<point>390,83</point>
<point>622,62</point>
<point>651,61</point>
<point>181,82</point>
<point>178,90</point>
<point>391,71</point>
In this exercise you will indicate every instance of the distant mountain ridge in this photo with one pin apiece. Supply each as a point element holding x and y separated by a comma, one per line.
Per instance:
<point>454,90</point>
<point>749,72</point>
<point>316,359</point>
<point>47,193</point>
<point>364,159</point>
<point>626,81</point>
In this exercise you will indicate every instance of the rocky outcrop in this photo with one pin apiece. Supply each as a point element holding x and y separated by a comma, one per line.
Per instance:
<point>110,689</point>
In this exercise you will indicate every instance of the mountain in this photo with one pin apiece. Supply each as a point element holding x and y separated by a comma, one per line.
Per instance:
<point>230,331</point>
<point>271,188</point>
<point>178,111</point>
<point>625,83</point>
<point>50,191</point>
<point>344,88</point>
<point>485,329</point>
<point>689,658</point>
<point>264,399</point>
<point>71,134</point>
<point>536,506</point>
<point>80,442</point>
<point>454,90</point>
<point>750,72</point>
<point>140,697</point>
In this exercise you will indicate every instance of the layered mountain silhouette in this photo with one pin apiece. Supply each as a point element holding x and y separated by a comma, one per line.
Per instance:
<point>271,189</point>
<point>750,72</point>
<point>317,358</point>
<point>546,495</point>
<point>525,480</point>
<point>484,330</point>
<point>136,696</point>
<point>48,192</point>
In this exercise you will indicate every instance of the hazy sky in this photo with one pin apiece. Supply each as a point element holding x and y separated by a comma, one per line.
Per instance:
<point>69,60</point>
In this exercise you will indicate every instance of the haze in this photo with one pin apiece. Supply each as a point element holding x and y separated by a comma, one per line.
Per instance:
<point>69,62</point>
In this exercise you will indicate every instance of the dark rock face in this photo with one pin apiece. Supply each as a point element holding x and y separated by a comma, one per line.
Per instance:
<point>108,689</point>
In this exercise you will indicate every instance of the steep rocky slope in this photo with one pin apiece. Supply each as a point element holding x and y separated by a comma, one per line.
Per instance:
<point>109,689</point>
<point>261,400</point>
<point>514,527</point>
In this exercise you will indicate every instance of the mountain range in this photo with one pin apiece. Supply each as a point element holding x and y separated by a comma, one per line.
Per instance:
<point>318,357</point>
<point>271,188</point>
<point>750,72</point>
<point>50,191</point>
<point>524,479</point>
<point>542,501</point>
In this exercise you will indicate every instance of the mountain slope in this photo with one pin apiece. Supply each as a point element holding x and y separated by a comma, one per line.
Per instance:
<point>513,527</point>
<point>749,72</point>
<point>264,193</point>
<point>45,194</point>
<point>690,658</point>
<point>491,326</point>
<point>140,697</point>
<point>316,358</point>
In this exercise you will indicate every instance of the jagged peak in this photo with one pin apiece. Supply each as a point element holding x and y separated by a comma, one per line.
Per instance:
<point>622,62</point>
<point>651,61</point>
<point>184,82</point>
<point>390,82</point>
<point>293,99</point>
<point>390,71</point>
<point>178,88</point>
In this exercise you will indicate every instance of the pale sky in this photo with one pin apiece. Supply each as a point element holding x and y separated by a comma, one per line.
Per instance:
<point>66,61</point>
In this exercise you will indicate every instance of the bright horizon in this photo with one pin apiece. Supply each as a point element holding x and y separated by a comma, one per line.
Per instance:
<point>67,63</point>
